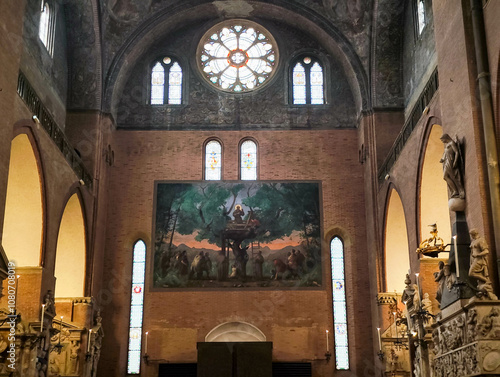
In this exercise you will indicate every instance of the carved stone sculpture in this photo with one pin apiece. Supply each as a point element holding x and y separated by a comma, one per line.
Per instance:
<point>453,166</point>
<point>471,325</point>
<point>479,266</point>
<point>490,324</point>
<point>433,245</point>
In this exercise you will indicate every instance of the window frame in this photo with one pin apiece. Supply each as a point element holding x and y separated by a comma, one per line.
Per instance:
<point>49,35</point>
<point>166,85</point>
<point>332,238</point>
<point>221,158</point>
<point>257,154</point>
<point>315,57</point>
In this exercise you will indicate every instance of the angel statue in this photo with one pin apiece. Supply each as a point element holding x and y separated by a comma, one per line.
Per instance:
<point>453,164</point>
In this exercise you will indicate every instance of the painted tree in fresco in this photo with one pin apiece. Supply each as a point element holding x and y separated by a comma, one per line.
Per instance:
<point>206,210</point>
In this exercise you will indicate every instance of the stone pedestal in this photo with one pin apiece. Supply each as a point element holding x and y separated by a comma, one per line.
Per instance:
<point>460,289</point>
<point>467,340</point>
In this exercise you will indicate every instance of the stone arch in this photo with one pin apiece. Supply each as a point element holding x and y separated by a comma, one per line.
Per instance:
<point>433,192</point>
<point>167,20</point>
<point>396,251</point>
<point>23,227</point>
<point>70,264</point>
<point>235,332</point>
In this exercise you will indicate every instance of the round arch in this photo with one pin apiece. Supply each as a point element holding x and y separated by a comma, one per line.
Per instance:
<point>71,250</point>
<point>22,234</point>
<point>396,251</point>
<point>235,332</point>
<point>433,191</point>
<point>169,19</point>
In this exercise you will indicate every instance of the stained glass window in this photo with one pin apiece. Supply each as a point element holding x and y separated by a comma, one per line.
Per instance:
<point>248,160</point>
<point>339,304</point>
<point>307,82</point>
<point>45,32</point>
<point>420,15</point>
<point>237,56</point>
<point>136,308</point>
<point>166,91</point>
<point>213,161</point>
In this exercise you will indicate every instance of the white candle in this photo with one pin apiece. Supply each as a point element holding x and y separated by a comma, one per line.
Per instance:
<point>327,345</point>
<point>146,343</point>
<point>456,255</point>
<point>88,341</point>
<point>418,284</point>
<point>395,325</point>
<point>43,312</point>
<point>379,339</point>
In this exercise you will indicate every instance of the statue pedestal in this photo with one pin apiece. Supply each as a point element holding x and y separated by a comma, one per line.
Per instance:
<point>458,288</point>
<point>467,340</point>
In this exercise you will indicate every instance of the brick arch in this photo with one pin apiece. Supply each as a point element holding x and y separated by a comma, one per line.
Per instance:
<point>25,207</point>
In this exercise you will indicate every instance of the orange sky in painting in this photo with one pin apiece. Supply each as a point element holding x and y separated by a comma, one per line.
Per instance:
<point>189,241</point>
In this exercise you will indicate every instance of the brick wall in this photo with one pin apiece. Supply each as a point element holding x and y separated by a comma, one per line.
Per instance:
<point>294,320</point>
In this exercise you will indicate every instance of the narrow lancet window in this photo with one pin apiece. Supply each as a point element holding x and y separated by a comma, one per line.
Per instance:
<point>339,304</point>
<point>299,85</point>
<point>420,16</point>
<point>46,27</point>
<point>157,84</point>
<point>136,308</point>
<point>248,160</point>
<point>213,161</point>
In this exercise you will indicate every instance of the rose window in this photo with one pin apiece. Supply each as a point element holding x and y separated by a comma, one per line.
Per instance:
<point>237,56</point>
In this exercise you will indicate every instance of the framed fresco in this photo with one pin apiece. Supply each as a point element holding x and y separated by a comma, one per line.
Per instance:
<point>261,235</point>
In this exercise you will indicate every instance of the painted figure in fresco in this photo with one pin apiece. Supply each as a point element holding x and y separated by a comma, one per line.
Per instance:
<point>241,258</point>
<point>182,263</point>
<point>257,265</point>
<point>238,214</point>
<point>222,266</point>
<point>300,262</point>
<point>198,265</point>
<point>479,264</point>
<point>453,166</point>
<point>208,264</point>
<point>279,269</point>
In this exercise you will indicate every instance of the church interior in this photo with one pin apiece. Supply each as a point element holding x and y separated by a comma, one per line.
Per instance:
<point>249,188</point>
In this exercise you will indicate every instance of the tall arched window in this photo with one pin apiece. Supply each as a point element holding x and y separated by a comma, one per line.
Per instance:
<point>136,308</point>
<point>420,16</point>
<point>166,82</point>
<point>339,304</point>
<point>46,27</point>
<point>248,160</point>
<point>213,161</point>
<point>307,81</point>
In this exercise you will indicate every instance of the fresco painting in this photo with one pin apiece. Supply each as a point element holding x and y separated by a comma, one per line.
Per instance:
<point>233,235</point>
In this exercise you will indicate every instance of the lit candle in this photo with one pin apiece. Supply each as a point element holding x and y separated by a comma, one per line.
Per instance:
<point>456,255</point>
<point>43,313</point>
<point>88,341</point>
<point>327,345</point>
<point>379,339</point>
<point>146,343</point>
<point>395,326</point>
<point>60,329</point>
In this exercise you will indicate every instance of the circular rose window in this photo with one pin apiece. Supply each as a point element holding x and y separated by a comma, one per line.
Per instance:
<point>237,56</point>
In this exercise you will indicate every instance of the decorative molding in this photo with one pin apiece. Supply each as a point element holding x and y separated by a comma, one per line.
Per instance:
<point>418,110</point>
<point>32,100</point>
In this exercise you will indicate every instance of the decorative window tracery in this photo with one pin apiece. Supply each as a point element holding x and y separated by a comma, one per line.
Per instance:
<point>339,304</point>
<point>166,82</point>
<point>213,161</point>
<point>307,81</point>
<point>420,10</point>
<point>237,56</point>
<point>136,308</point>
<point>248,160</point>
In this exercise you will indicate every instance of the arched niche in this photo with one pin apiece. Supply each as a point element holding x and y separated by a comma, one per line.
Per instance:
<point>397,261</point>
<point>70,252</point>
<point>23,221</point>
<point>433,189</point>
<point>235,332</point>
